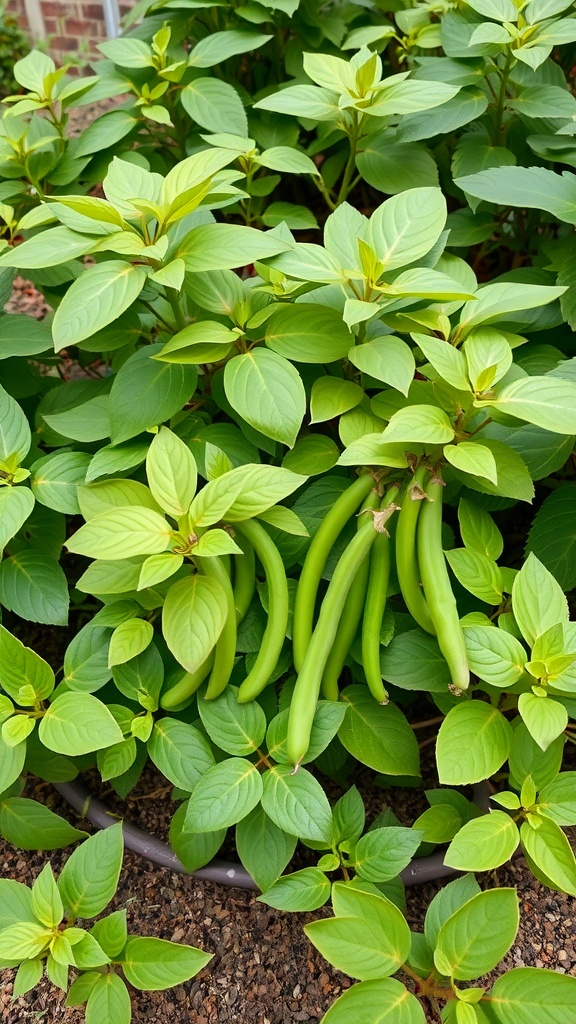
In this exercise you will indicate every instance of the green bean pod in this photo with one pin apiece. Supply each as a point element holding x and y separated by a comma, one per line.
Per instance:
<point>244,579</point>
<point>179,696</point>
<point>374,606</point>
<point>225,649</point>
<point>351,616</point>
<point>278,609</point>
<point>437,587</point>
<point>307,688</point>
<point>407,567</point>
<point>316,557</point>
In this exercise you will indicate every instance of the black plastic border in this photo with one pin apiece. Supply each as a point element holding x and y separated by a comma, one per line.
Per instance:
<point>76,794</point>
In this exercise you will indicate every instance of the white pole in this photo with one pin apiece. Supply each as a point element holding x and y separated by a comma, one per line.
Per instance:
<point>111,17</point>
<point>35,19</point>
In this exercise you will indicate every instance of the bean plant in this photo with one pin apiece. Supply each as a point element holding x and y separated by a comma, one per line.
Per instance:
<point>287,477</point>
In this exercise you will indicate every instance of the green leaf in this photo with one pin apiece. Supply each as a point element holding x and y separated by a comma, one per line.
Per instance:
<point>494,302</point>
<point>116,760</point>
<point>33,586</point>
<point>122,533</point>
<point>23,941</point>
<point>225,794</point>
<point>21,666</point>
<point>87,422</point>
<point>328,718</point>
<point>477,573</point>
<point>383,853</point>
<point>110,933</point>
<point>412,661</point>
<point>243,493</point>
<point>106,495</point>
<point>29,825</point>
<point>472,457</point>
<point>226,246</point>
<point>16,504</point>
<point>171,472</point>
<point>236,728</point>
<point>369,938</point>
<point>312,454</point>
<point>494,655</point>
<point>548,402</point>
<point>307,333</point>
<point>378,735</point>
<point>552,536</point>
<point>388,359</point>
<point>86,659</point>
<point>549,849</point>
<point>449,899</point>
<point>514,480</point>
<point>15,436</point>
<point>425,424</point>
<point>537,599</point>
<point>128,640</point>
<point>307,889</point>
<point>331,397</point>
<point>53,247</point>
<point>263,848</point>
<point>448,361</point>
<point>155,964</point>
<point>55,478</point>
<point>376,1002</point>
<point>90,876</point>
<point>180,751</point>
<point>483,843</point>
<point>11,763</point>
<point>267,391</point>
<point>194,849</point>
<point>524,994</point>
<point>302,101</point>
<point>479,934</point>
<point>162,389</point>
<point>478,530</point>
<point>405,227</point>
<point>557,800</point>
<point>193,617</point>
<point>297,803</point>
<point>215,105</point>
<point>473,742</point>
<point>78,723</point>
<point>108,1001</point>
<point>95,300</point>
<point>27,977</point>
<point>533,187</point>
<point>220,46</point>
<point>544,718</point>
<point>46,901</point>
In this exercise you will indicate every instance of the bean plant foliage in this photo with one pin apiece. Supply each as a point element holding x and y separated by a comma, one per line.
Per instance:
<point>292,459</point>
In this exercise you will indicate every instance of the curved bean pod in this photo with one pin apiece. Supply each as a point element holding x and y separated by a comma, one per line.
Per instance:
<point>406,557</point>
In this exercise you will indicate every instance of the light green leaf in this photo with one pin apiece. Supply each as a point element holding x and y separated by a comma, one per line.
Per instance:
<point>215,105</point>
<point>122,533</point>
<point>108,1001</point>
<point>90,876</point>
<point>226,246</point>
<point>55,478</point>
<point>533,187</point>
<point>263,848</point>
<point>180,751</point>
<point>478,530</point>
<point>548,402</point>
<point>549,849</point>
<point>297,803</point>
<point>15,435</point>
<point>378,735</point>
<point>331,397</point>
<point>494,655</point>
<point>87,422</point>
<point>307,889</point>
<point>307,333</point>
<point>483,843</point>
<point>194,849</point>
<point>425,424</point>
<point>537,599</point>
<point>225,794</point>
<point>95,299</point>
<point>448,361</point>
<point>29,825</point>
<point>472,457</point>
<point>524,994</point>
<point>478,935</point>
<point>193,617</point>
<point>171,471</point>
<point>267,391</point>
<point>236,728</point>
<point>33,586</point>
<point>152,965</point>
<point>383,853</point>
<point>162,389</point>
<point>11,763</point>
<point>128,640</point>
<point>384,1001</point>
<point>220,46</point>
<point>78,723</point>
<point>479,574</point>
<point>473,742</point>
<point>388,359</point>
<point>369,938</point>
<point>405,227</point>
<point>544,718</point>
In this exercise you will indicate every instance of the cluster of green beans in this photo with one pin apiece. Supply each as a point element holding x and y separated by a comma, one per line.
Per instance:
<point>237,577</point>
<point>354,602</point>
<point>356,596</point>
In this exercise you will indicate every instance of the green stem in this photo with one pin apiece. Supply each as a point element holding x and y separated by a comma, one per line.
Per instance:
<point>350,168</point>
<point>174,300</point>
<point>500,133</point>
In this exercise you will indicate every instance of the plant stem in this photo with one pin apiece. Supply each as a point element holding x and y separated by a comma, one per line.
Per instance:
<point>173,299</point>
<point>350,168</point>
<point>502,99</point>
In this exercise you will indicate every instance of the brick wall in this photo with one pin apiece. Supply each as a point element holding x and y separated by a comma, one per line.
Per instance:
<point>69,29</point>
